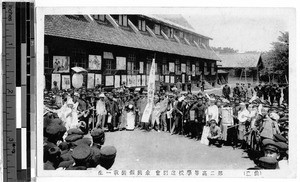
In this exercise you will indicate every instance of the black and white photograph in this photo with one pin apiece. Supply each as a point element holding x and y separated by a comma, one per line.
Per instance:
<point>166,92</point>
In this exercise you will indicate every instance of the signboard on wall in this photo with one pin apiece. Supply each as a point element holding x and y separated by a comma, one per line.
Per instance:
<point>117,81</point>
<point>193,70</point>
<point>91,80</point>
<point>55,77</point>
<point>138,80</point>
<point>95,62</point>
<point>123,78</point>
<point>172,79</point>
<point>141,67</point>
<point>183,78</point>
<point>121,63</point>
<point>61,64</point>
<point>143,80</point>
<point>183,67</point>
<point>98,79</point>
<point>167,79</point>
<point>171,67</point>
<point>109,80</point>
<point>66,82</point>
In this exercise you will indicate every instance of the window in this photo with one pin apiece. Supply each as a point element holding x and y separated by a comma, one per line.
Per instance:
<point>79,58</point>
<point>122,20</point>
<point>181,34</point>
<point>99,17</point>
<point>205,69</point>
<point>172,33</point>
<point>188,68</point>
<point>197,68</point>
<point>213,68</point>
<point>157,29</point>
<point>131,64</point>
<point>142,25</point>
<point>177,67</point>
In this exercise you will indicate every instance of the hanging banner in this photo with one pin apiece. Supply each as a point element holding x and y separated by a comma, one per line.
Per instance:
<point>109,80</point>
<point>91,80</point>
<point>141,67</point>
<point>66,82</point>
<point>121,63</point>
<point>61,64</point>
<point>138,80</point>
<point>98,79</point>
<point>95,62</point>
<point>167,79</point>
<point>77,80</point>
<point>183,67</point>
<point>150,97</point>
<point>183,78</point>
<point>124,81</point>
<point>55,78</point>
<point>117,81</point>
<point>172,67</point>
<point>193,70</point>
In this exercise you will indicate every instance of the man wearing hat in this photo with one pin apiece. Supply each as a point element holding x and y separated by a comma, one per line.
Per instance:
<point>112,111</point>
<point>250,91</point>
<point>101,111</point>
<point>259,90</point>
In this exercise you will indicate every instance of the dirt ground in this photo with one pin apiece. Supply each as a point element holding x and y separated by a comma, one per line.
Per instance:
<point>159,150</point>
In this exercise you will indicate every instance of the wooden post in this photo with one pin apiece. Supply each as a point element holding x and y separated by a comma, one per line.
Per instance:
<point>241,75</point>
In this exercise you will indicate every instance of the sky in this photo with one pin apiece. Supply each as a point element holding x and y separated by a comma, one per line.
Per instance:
<point>243,29</point>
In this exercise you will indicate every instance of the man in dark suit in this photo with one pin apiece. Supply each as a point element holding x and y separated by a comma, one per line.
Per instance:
<point>226,91</point>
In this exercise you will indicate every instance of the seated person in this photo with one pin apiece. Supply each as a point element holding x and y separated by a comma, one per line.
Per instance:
<point>214,135</point>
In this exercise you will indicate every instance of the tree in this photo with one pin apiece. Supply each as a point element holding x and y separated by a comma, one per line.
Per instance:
<point>277,59</point>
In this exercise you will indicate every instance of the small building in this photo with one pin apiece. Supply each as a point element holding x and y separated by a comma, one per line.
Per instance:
<point>117,49</point>
<point>240,67</point>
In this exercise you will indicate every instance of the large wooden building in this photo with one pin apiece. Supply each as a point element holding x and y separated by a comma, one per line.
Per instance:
<point>116,49</point>
<point>240,67</point>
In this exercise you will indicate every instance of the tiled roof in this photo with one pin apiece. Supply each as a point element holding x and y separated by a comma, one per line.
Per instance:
<point>62,26</point>
<point>239,60</point>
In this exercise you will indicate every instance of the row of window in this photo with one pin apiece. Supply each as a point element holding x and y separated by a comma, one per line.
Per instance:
<point>122,20</point>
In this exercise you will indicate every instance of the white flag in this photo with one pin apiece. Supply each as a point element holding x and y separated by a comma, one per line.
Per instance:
<point>151,90</point>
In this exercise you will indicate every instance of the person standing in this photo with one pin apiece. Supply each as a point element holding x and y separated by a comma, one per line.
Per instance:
<point>259,90</point>
<point>249,92</point>
<point>226,92</point>
<point>266,91</point>
<point>178,112</point>
<point>277,94</point>
<point>212,112</point>
<point>112,112</point>
<point>55,89</point>
<point>272,93</point>
<point>237,90</point>
<point>243,116</point>
<point>101,111</point>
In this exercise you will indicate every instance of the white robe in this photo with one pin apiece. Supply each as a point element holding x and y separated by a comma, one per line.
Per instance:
<point>214,112</point>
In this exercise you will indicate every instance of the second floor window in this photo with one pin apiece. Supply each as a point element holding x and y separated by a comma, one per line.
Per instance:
<point>157,29</point>
<point>142,25</point>
<point>122,20</point>
<point>99,17</point>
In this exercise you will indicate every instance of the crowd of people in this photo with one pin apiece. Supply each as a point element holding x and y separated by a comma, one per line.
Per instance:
<point>226,119</point>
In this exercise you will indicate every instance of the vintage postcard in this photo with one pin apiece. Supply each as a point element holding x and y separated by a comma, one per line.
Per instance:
<point>166,92</point>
